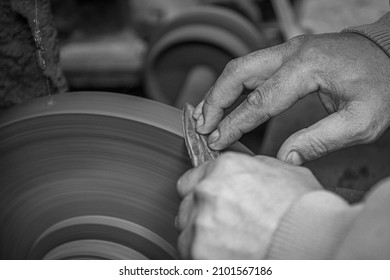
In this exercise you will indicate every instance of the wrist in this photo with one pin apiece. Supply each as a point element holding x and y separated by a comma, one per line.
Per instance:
<point>378,32</point>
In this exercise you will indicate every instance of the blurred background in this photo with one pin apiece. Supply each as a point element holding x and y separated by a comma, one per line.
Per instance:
<point>172,51</point>
<point>93,175</point>
<point>109,44</point>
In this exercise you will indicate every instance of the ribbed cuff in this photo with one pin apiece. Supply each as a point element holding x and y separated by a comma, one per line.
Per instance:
<point>313,228</point>
<point>378,32</point>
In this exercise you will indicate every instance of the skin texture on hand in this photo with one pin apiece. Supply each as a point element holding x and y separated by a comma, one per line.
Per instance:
<point>232,206</point>
<point>349,73</point>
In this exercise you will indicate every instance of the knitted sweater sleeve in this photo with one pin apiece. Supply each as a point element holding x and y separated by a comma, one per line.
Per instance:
<point>321,225</point>
<point>378,32</point>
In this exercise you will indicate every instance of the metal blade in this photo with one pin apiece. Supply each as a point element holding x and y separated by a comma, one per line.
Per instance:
<point>196,143</point>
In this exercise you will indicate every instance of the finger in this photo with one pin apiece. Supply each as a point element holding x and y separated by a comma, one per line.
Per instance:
<point>184,213</point>
<point>290,83</point>
<point>189,180</point>
<point>271,161</point>
<point>185,239</point>
<point>247,72</point>
<point>244,72</point>
<point>198,110</point>
<point>339,130</point>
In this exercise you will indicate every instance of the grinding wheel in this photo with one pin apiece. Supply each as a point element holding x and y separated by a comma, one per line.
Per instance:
<point>90,176</point>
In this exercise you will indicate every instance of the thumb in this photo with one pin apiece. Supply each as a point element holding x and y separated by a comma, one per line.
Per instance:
<point>338,130</point>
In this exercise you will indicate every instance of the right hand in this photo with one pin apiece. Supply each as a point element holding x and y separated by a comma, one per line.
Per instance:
<point>232,206</point>
<point>349,72</point>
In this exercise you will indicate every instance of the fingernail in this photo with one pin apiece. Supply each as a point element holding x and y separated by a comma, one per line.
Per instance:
<point>200,121</point>
<point>198,110</point>
<point>294,158</point>
<point>196,114</point>
<point>213,137</point>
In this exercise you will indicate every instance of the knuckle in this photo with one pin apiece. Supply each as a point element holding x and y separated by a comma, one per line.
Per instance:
<point>375,134</point>
<point>233,136</point>
<point>367,133</point>
<point>232,65</point>
<point>210,100</point>
<point>182,183</point>
<point>255,100</point>
<point>310,146</point>
<point>229,127</point>
<point>207,193</point>
<point>229,158</point>
<point>318,146</point>
<point>258,98</point>
<point>227,122</point>
<point>200,224</point>
<point>231,161</point>
<point>227,161</point>
<point>248,59</point>
<point>305,171</point>
<point>203,191</point>
<point>364,124</point>
<point>298,40</point>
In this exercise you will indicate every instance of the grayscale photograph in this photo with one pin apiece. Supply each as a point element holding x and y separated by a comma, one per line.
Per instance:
<point>194,130</point>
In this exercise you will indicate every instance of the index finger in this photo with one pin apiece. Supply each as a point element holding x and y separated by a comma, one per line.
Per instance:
<point>246,72</point>
<point>274,96</point>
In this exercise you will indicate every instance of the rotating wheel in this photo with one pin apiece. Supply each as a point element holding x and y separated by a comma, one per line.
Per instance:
<point>190,51</point>
<point>90,176</point>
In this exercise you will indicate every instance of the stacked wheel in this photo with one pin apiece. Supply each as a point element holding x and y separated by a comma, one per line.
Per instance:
<point>190,50</point>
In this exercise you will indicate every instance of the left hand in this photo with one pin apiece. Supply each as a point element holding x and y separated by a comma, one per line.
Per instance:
<point>232,206</point>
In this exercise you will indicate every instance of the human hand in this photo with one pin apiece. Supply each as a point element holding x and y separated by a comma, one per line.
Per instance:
<point>348,72</point>
<point>232,206</point>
